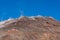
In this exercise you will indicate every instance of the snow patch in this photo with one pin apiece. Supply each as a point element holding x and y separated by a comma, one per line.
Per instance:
<point>6,22</point>
<point>39,16</point>
<point>32,17</point>
<point>51,17</point>
<point>1,24</point>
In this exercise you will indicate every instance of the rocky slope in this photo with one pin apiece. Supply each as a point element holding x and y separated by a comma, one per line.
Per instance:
<point>30,28</point>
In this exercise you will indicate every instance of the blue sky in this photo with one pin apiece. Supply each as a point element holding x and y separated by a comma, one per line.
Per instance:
<point>13,8</point>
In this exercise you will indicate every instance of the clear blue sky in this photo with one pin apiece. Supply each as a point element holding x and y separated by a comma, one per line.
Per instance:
<point>13,8</point>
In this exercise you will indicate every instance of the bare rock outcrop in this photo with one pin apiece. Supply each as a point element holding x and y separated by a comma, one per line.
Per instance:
<point>30,28</point>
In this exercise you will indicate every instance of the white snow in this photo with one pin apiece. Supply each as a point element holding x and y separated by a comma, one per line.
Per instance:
<point>21,17</point>
<point>11,20</point>
<point>6,22</point>
<point>1,24</point>
<point>51,17</point>
<point>32,17</point>
<point>39,16</point>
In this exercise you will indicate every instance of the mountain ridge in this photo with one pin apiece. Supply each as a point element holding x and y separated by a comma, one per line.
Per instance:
<point>30,28</point>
